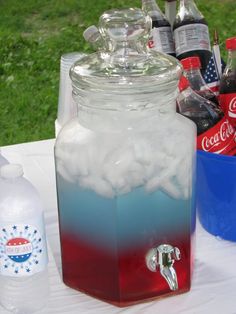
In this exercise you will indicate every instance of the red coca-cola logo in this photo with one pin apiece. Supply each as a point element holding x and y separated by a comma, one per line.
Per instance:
<point>232,107</point>
<point>226,131</point>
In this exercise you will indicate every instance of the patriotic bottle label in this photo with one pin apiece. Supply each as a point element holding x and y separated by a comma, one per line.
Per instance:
<point>162,39</point>
<point>23,250</point>
<point>220,139</point>
<point>228,104</point>
<point>191,37</point>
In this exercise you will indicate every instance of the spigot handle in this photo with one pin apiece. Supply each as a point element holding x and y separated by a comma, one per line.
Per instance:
<point>163,258</point>
<point>177,254</point>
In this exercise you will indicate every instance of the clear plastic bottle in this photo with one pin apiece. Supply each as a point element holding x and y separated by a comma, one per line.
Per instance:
<point>24,286</point>
<point>3,160</point>
<point>215,132</point>
<point>192,67</point>
<point>228,82</point>
<point>161,35</point>
<point>67,108</point>
<point>191,33</point>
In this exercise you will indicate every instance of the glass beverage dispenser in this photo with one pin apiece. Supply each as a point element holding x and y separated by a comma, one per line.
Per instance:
<point>125,169</point>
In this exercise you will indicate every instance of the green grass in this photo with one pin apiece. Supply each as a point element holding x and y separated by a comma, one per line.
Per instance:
<point>33,36</point>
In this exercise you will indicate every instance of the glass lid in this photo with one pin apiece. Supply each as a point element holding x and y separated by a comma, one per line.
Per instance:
<point>126,60</point>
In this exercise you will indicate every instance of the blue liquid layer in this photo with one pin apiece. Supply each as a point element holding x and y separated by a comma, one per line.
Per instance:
<point>133,219</point>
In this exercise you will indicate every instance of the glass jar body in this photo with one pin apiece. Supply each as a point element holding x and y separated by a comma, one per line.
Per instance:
<point>124,183</point>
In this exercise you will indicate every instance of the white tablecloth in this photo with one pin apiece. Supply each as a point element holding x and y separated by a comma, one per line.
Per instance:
<point>214,281</point>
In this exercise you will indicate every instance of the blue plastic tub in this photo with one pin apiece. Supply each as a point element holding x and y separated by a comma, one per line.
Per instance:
<point>216,194</point>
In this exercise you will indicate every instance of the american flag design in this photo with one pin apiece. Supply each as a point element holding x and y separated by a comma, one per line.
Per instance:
<point>211,75</point>
<point>18,250</point>
<point>22,250</point>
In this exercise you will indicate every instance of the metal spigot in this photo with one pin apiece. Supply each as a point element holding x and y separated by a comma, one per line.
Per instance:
<point>163,257</point>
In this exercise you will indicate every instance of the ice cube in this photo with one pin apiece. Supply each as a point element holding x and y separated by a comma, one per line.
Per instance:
<point>98,185</point>
<point>171,189</point>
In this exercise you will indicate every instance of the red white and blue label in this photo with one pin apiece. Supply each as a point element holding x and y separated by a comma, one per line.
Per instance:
<point>23,250</point>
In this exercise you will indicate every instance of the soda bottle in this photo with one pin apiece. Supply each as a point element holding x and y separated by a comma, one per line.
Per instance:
<point>24,284</point>
<point>214,130</point>
<point>228,82</point>
<point>192,67</point>
<point>3,160</point>
<point>161,38</point>
<point>191,33</point>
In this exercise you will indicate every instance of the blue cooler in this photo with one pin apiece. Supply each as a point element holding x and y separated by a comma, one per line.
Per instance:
<point>216,194</point>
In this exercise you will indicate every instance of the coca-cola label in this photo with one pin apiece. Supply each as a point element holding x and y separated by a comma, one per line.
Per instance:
<point>220,139</point>
<point>228,104</point>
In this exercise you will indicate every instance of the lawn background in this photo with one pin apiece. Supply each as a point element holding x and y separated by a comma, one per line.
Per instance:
<point>33,36</point>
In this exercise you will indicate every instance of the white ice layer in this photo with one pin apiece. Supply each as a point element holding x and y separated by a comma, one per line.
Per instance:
<point>116,163</point>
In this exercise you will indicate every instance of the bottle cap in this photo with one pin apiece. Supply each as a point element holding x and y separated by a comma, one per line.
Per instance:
<point>90,32</point>
<point>183,83</point>
<point>191,63</point>
<point>231,43</point>
<point>11,171</point>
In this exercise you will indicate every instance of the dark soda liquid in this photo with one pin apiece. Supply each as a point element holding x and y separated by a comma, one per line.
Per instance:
<point>209,96</point>
<point>203,123</point>
<point>228,86</point>
<point>161,23</point>
<point>228,83</point>
<point>204,119</point>
<point>204,55</point>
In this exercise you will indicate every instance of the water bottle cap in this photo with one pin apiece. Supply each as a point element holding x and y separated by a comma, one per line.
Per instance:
<point>231,43</point>
<point>191,63</point>
<point>11,171</point>
<point>183,83</point>
<point>90,31</point>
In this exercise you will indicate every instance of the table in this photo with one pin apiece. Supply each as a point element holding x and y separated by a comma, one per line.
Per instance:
<point>214,280</point>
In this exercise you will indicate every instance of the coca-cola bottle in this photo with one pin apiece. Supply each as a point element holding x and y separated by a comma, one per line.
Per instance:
<point>161,38</point>
<point>192,68</point>
<point>215,132</point>
<point>228,82</point>
<point>191,33</point>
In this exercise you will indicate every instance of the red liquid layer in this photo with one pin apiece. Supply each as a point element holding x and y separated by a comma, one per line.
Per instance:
<point>121,278</point>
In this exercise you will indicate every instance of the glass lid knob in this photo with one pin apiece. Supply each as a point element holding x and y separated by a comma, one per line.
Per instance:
<point>125,25</point>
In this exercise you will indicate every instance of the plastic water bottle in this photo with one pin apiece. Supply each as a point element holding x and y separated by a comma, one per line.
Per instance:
<point>24,285</point>
<point>3,160</point>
